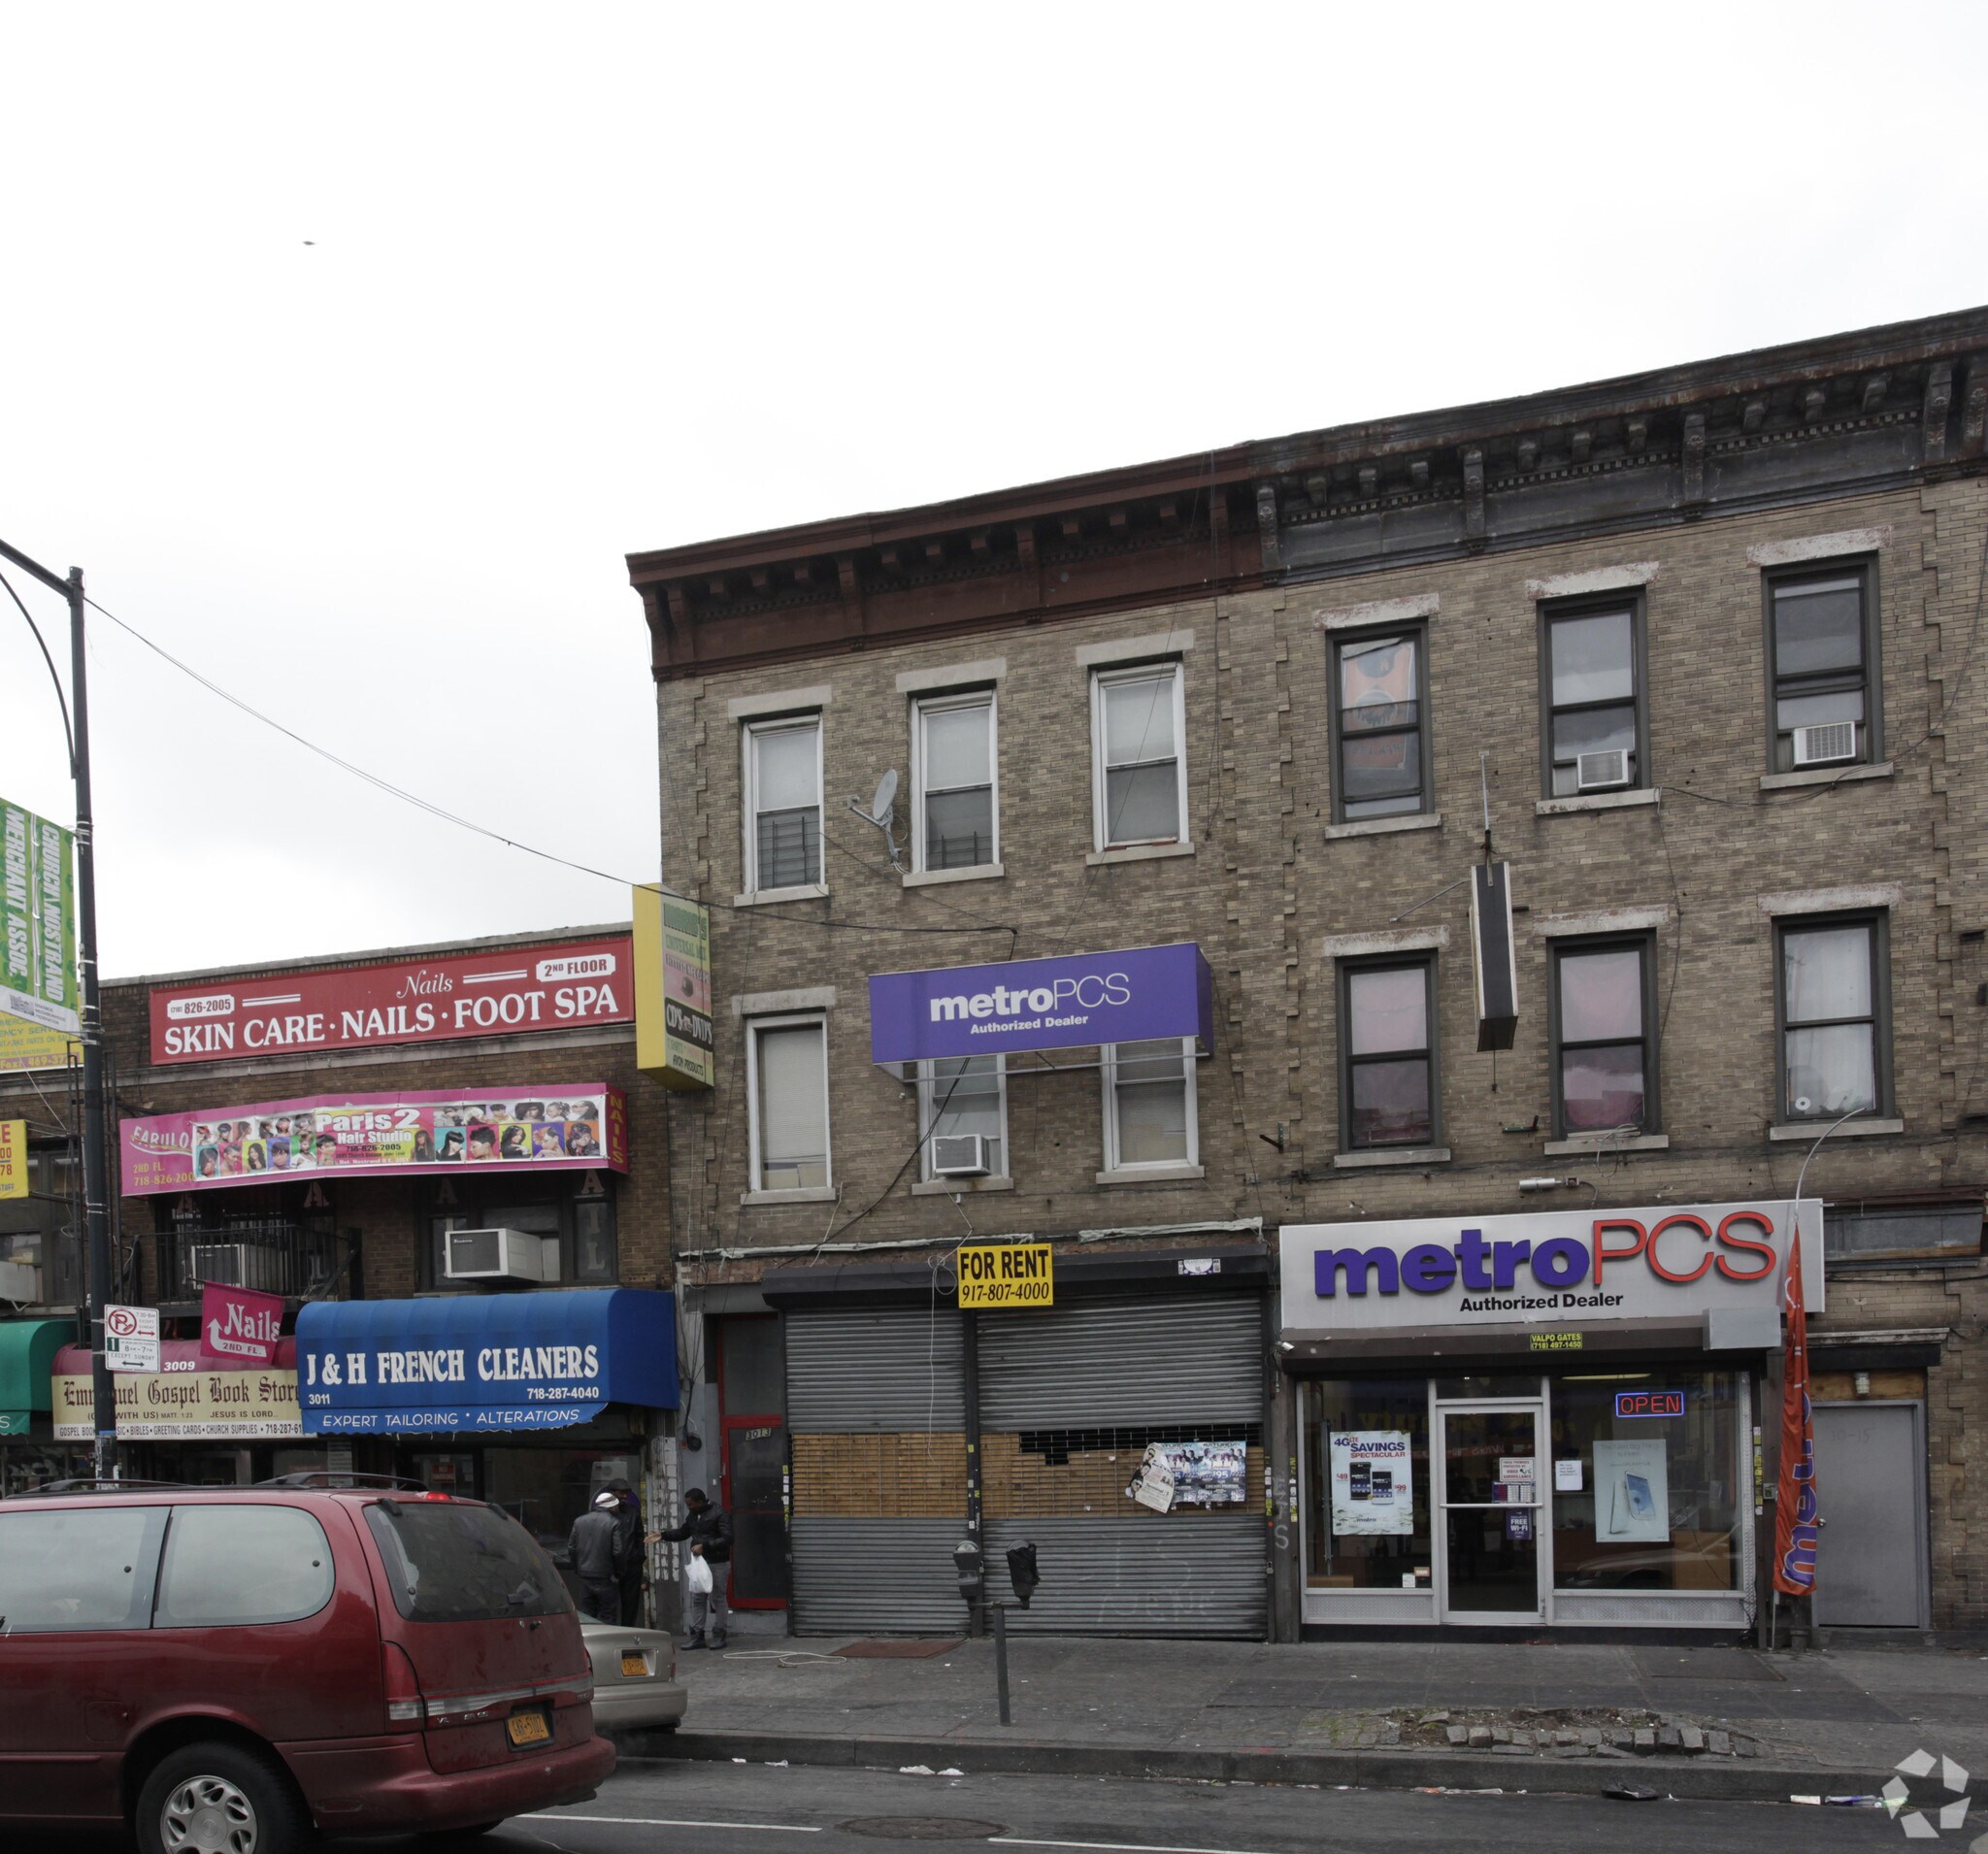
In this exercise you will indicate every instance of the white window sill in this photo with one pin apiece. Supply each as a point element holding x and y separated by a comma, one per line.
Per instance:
<point>1812,1130</point>
<point>1824,775</point>
<point>1138,853</point>
<point>1385,826</point>
<point>1605,1142</point>
<point>931,877</point>
<point>1598,802</point>
<point>806,1193</point>
<point>1152,1175</point>
<point>1393,1155</point>
<point>947,1187</point>
<point>760,897</point>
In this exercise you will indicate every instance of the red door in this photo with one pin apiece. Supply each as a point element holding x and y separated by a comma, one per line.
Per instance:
<point>752,1457</point>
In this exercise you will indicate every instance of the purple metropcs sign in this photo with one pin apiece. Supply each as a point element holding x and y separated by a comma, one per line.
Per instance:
<point>1136,996</point>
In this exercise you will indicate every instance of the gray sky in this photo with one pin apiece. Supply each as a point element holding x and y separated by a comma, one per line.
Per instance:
<point>587,279</point>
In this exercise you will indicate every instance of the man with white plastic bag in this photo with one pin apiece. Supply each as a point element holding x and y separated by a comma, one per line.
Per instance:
<point>708,1529</point>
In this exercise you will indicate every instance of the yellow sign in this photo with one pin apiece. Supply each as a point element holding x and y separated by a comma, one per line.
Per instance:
<point>1555,1342</point>
<point>13,1158</point>
<point>29,1046</point>
<point>673,1038</point>
<point>183,1406</point>
<point>1007,1275</point>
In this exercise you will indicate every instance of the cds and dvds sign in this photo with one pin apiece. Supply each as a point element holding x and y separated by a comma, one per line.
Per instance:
<point>567,1125</point>
<point>512,991</point>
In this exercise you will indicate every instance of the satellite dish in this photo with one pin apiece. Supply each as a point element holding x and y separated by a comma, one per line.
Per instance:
<point>886,797</point>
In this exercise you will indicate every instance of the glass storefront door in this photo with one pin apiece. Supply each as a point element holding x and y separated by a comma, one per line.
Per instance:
<point>1489,1486</point>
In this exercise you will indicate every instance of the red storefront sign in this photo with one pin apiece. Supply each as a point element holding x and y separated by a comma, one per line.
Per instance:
<point>564,986</point>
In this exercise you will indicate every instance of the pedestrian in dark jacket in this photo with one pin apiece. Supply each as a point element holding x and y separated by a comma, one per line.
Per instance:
<point>710,1528</point>
<point>595,1547</point>
<point>634,1550</point>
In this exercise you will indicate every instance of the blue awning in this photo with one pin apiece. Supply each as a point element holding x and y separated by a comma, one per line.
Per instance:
<point>464,1363</point>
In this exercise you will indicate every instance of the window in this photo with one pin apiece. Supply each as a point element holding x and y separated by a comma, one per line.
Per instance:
<point>784,804</point>
<point>576,1209</point>
<point>789,1092</point>
<point>1387,1054</point>
<point>1603,1080</point>
<point>953,765</point>
<point>1834,1056</point>
<point>70,1571</point>
<point>1822,657</point>
<point>1138,725</point>
<point>1343,1556</point>
<point>454,1561</point>
<point>1149,1111</point>
<point>1592,657</point>
<point>242,1563</point>
<point>1381,747</point>
<point>965,1095</point>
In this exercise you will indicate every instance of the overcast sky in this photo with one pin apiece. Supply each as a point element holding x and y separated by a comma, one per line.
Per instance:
<point>349,350</point>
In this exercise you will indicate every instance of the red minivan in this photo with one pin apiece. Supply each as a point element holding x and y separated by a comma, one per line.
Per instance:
<point>226,1668</point>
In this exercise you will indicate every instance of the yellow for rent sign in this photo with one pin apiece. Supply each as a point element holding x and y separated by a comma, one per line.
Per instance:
<point>1007,1274</point>
<point>13,1158</point>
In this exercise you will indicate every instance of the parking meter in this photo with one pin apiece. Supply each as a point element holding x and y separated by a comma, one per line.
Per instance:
<point>1021,1571</point>
<point>969,1566</point>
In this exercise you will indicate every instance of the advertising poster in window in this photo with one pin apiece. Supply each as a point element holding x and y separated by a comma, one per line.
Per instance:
<point>1191,1475</point>
<point>1632,1493</point>
<point>567,1125</point>
<point>1373,1482</point>
<point>38,979</point>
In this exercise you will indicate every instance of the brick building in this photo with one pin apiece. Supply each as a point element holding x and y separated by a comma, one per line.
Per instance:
<point>1690,651</point>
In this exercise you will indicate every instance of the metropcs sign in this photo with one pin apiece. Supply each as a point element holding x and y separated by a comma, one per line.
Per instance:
<point>1654,1262</point>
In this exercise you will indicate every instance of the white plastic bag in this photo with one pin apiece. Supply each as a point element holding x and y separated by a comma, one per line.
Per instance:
<point>697,1577</point>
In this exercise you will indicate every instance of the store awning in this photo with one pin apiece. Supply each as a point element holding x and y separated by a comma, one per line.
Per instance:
<point>28,1360</point>
<point>1137,995</point>
<point>484,1362</point>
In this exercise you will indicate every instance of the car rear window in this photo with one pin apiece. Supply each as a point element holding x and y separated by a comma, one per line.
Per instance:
<point>236,1563</point>
<point>454,1561</point>
<point>78,1569</point>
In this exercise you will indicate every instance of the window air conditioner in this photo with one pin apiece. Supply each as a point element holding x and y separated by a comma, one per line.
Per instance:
<point>959,1155</point>
<point>1828,741</point>
<point>500,1255</point>
<point>1600,772</point>
<point>253,1264</point>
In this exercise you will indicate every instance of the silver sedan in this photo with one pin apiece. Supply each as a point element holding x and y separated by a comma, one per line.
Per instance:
<point>635,1677</point>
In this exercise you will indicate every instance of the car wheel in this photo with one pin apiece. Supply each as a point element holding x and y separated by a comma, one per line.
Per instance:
<point>218,1798</point>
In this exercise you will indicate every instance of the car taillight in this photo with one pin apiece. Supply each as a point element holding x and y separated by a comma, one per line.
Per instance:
<point>406,1709</point>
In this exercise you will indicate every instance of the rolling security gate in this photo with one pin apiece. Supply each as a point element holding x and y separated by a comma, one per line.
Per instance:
<point>876,1411</point>
<point>1070,1396</point>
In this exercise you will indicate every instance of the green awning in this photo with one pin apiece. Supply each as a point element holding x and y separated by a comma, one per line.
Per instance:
<point>27,1361</point>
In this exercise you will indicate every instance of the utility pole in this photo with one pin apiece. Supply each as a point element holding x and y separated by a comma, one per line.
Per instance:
<point>95,1184</point>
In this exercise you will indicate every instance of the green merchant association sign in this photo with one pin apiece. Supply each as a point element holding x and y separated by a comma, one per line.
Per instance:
<point>37,920</point>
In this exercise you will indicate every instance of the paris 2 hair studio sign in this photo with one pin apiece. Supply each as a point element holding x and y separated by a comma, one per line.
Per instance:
<point>1650,1262</point>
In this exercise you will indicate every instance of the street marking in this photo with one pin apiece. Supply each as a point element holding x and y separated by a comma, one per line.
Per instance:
<point>1111,1847</point>
<point>664,1821</point>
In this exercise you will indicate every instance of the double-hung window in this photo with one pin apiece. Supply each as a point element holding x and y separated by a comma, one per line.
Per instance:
<point>1380,725</point>
<point>1387,1053</point>
<point>1604,1079</point>
<point>783,802</point>
<point>1595,731</point>
<point>956,798</point>
<point>1822,667</point>
<point>1831,994</point>
<point>1139,727</point>
<point>1150,1106</point>
<point>961,1098</point>
<point>788,1089</point>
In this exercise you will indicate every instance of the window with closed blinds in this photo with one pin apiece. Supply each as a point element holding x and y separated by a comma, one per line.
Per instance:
<point>791,1105</point>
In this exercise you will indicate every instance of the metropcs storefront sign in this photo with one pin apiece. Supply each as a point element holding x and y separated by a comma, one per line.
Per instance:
<point>1137,995</point>
<point>1654,1262</point>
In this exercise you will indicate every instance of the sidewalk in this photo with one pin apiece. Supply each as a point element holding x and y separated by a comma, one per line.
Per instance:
<point>1720,1722</point>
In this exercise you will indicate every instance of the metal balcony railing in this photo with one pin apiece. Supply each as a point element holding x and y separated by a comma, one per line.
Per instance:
<point>271,1254</point>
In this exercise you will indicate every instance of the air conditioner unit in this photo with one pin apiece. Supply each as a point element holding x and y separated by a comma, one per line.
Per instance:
<point>1601,771</point>
<point>959,1155</point>
<point>239,1265</point>
<point>20,1282</point>
<point>1827,742</point>
<point>500,1255</point>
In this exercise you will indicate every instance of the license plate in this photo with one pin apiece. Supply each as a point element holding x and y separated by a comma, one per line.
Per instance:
<point>635,1667</point>
<point>528,1728</point>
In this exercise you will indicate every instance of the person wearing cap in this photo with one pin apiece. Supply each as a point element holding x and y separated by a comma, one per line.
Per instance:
<point>708,1529</point>
<point>595,1547</point>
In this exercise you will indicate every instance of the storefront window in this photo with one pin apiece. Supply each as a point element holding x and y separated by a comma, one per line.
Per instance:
<point>546,1489</point>
<point>1367,1476</point>
<point>1646,1482</point>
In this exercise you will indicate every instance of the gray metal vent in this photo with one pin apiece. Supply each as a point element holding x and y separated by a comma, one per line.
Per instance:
<point>889,1369</point>
<point>1194,1575</point>
<point>876,1576</point>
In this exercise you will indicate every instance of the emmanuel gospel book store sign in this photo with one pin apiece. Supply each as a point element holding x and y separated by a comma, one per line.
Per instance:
<point>1655,1262</point>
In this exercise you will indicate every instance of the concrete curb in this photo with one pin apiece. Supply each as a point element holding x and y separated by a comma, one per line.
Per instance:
<point>1700,1778</point>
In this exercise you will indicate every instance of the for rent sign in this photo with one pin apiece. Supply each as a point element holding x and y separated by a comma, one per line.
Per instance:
<point>1560,1268</point>
<point>565,985</point>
